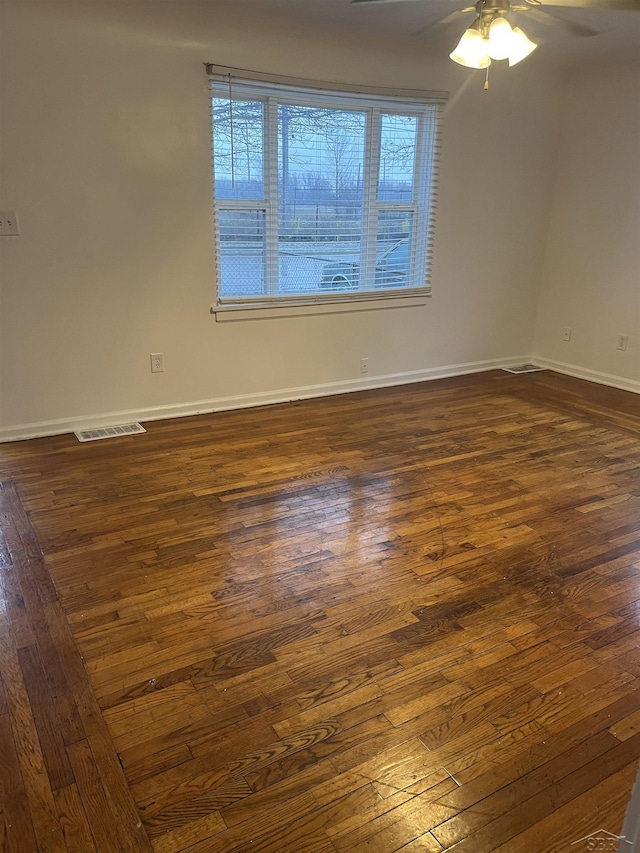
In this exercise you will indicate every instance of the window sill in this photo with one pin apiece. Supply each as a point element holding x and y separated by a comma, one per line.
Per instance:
<point>234,313</point>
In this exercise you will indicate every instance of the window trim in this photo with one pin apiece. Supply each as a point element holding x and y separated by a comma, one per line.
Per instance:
<point>221,74</point>
<point>344,305</point>
<point>263,86</point>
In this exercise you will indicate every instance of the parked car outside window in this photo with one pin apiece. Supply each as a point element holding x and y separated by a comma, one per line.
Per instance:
<point>391,270</point>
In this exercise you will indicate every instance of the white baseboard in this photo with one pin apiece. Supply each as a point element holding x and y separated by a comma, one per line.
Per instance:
<point>243,401</point>
<point>287,395</point>
<point>591,375</point>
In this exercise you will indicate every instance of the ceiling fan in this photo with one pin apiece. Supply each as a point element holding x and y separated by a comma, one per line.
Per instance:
<point>491,36</point>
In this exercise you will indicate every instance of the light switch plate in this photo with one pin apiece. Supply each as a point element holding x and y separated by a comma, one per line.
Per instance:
<point>8,223</point>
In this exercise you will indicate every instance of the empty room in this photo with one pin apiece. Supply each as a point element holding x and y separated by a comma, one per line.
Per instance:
<point>319,426</point>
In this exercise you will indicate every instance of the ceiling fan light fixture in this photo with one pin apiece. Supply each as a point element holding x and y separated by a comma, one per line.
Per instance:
<point>472,50</point>
<point>521,46</point>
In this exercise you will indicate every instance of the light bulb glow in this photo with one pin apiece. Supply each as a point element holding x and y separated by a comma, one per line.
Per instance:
<point>521,46</point>
<point>472,50</point>
<point>500,36</point>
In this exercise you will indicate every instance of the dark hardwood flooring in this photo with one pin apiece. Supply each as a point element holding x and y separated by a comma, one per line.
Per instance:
<point>405,619</point>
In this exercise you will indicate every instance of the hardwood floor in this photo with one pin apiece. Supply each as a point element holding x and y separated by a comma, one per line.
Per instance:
<point>405,619</point>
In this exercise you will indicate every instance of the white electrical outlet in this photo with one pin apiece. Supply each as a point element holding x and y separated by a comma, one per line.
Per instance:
<point>364,365</point>
<point>566,333</point>
<point>623,340</point>
<point>8,223</point>
<point>157,362</point>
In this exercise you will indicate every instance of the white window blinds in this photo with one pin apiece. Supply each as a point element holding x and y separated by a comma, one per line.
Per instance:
<point>321,194</point>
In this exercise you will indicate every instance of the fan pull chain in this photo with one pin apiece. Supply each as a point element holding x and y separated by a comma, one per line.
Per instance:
<point>486,80</point>
<point>233,176</point>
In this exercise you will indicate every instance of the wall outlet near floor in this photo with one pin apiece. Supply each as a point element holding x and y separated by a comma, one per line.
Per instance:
<point>566,333</point>
<point>8,223</point>
<point>157,362</point>
<point>623,340</point>
<point>364,365</point>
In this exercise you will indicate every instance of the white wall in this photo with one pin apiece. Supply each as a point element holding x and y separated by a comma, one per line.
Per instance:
<point>591,276</point>
<point>105,157</point>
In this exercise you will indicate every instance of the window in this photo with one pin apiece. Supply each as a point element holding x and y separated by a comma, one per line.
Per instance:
<point>320,195</point>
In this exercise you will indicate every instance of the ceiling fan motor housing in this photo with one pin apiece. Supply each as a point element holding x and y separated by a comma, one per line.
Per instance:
<point>493,6</point>
<point>488,11</point>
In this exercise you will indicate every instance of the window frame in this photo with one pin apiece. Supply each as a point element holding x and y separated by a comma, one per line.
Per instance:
<point>374,103</point>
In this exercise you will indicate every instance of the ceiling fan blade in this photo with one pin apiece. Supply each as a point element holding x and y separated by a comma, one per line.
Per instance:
<point>448,19</point>
<point>376,2</point>
<point>557,21</point>
<point>604,5</point>
<point>453,16</point>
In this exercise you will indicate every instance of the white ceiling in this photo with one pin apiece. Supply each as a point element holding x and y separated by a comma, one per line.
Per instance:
<point>618,31</point>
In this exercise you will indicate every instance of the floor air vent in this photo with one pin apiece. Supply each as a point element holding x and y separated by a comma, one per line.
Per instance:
<point>108,432</point>
<point>524,368</point>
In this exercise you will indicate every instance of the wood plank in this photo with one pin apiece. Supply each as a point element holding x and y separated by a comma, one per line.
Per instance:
<point>18,835</point>
<point>48,695</point>
<point>540,804</point>
<point>580,818</point>
<point>96,800</point>
<point>73,820</point>
<point>401,619</point>
<point>45,718</point>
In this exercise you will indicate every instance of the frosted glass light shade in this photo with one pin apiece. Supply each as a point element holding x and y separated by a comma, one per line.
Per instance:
<point>521,46</point>
<point>472,50</point>
<point>500,36</point>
